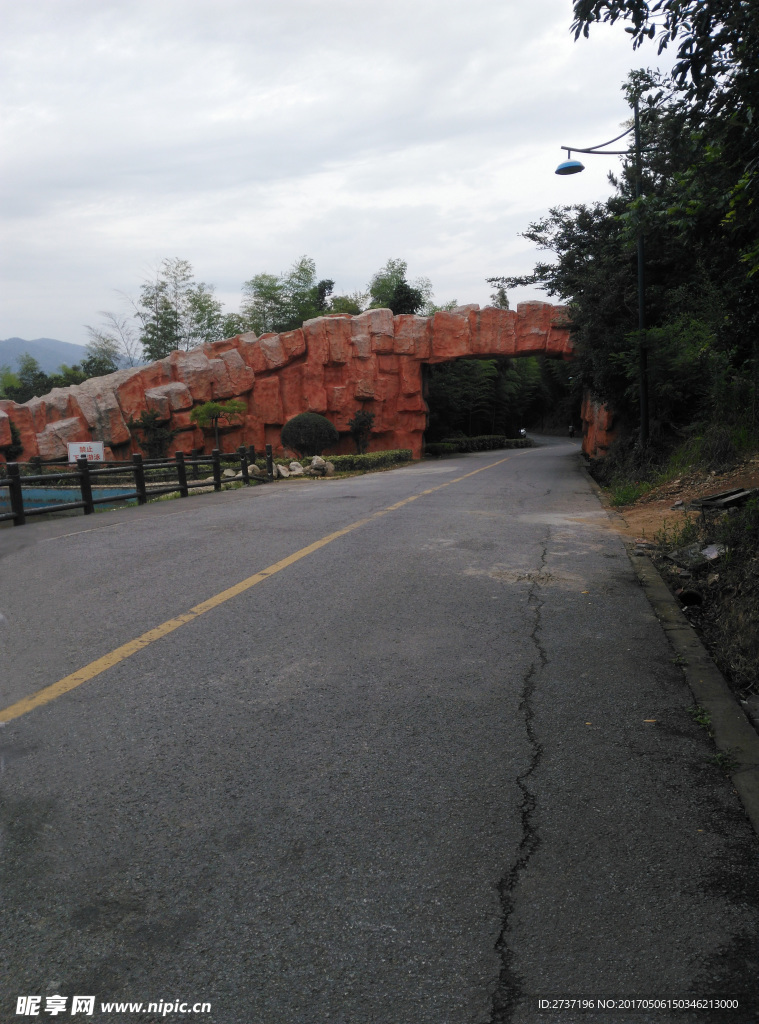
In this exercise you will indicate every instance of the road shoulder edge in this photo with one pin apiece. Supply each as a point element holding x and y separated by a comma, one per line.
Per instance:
<point>733,734</point>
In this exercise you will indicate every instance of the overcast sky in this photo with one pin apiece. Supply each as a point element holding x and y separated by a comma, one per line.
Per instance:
<point>243,134</point>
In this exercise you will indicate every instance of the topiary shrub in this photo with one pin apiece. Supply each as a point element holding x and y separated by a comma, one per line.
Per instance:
<point>308,433</point>
<point>361,426</point>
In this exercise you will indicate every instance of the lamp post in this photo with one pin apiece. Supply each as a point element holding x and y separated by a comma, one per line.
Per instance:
<point>570,166</point>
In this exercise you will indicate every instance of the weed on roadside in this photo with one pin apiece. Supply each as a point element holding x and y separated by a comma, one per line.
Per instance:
<point>676,535</point>
<point>701,717</point>
<point>625,492</point>
<point>725,761</point>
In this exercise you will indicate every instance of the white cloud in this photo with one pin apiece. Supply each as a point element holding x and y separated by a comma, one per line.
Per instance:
<point>241,135</point>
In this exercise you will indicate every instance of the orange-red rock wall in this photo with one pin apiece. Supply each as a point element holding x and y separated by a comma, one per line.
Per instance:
<point>598,429</point>
<point>333,365</point>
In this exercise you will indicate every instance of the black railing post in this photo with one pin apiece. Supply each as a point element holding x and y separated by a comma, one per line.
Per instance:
<point>244,464</point>
<point>216,456</point>
<point>251,454</point>
<point>17,495</point>
<point>196,454</point>
<point>85,484</point>
<point>139,479</point>
<point>181,474</point>
<point>269,463</point>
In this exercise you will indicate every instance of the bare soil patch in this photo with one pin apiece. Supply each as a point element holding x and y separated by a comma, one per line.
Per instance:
<point>721,598</point>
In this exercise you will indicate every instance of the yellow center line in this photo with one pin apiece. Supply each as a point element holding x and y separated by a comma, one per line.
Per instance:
<point>95,668</point>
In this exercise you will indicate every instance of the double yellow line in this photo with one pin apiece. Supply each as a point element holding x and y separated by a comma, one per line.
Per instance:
<point>83,675</point>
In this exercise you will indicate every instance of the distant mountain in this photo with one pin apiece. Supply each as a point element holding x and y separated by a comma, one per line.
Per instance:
<point>48,352</point>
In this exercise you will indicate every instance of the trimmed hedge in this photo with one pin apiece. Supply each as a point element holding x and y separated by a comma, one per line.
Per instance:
<point>370,460</point>
<point>441,448</point>
<point>485,443</point>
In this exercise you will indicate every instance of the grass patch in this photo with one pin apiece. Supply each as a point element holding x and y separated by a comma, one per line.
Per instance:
<point>626,492</point>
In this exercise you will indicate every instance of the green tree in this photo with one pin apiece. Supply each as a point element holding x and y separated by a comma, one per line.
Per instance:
<point>65,376</point>
<point>284,302</point>
<point>175,312</point>
<point>354,303</point>
<point>32,380</point>
<point>102,357</point>
<point>262,304</point>
<point>700,301</point>
<point>718,42</point>
<point>209,414</point>
<point>7,379</point>
<point>389,289</point>
<point>498,298</point>
<point>716,80</point>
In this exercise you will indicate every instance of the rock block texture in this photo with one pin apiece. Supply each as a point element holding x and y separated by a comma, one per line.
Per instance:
<point>597,427</point>
<point>334,365</point>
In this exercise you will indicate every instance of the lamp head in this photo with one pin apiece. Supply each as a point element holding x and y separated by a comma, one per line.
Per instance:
<point>570,167</point>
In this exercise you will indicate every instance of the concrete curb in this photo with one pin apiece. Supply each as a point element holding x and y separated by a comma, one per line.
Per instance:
<point>733,734</point>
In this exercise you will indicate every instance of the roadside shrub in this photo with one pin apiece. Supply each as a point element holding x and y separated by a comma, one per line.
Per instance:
<point>155,437</point>
<point>370,460</point>
<point>308,433</point>
<point>361,426</point>
<point>484,443</point>
<point>441,448</point>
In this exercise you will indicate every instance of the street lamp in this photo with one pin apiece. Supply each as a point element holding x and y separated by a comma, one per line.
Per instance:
<point>570,166</point>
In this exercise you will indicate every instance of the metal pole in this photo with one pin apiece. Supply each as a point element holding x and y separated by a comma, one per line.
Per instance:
<point>643,350</point>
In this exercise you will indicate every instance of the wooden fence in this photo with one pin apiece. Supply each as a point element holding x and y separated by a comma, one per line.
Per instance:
<point>168,476</point>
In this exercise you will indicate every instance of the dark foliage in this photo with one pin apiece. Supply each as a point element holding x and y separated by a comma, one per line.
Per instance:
<point>155,439</point>
<point>361,426</point>
<point>498,396</point>
<point>15,448</point>
<point>309,434</point>
<point>370,460</point>
<point>406,299</point>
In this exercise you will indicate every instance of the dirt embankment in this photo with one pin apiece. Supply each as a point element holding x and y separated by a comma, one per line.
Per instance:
<point>721,596</point>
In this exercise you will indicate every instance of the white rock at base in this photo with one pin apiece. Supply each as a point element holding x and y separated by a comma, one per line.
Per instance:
<point>329,469</point>
<point>282,471</point>
<point>296,469</point>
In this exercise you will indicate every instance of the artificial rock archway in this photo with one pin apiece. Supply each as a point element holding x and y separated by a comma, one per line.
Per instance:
<point>332,365</point>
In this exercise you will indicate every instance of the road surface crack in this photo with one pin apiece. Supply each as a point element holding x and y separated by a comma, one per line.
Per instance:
<point>509,988</point>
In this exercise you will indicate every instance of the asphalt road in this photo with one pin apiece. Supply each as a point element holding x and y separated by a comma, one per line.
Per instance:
<point>428,772</point>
